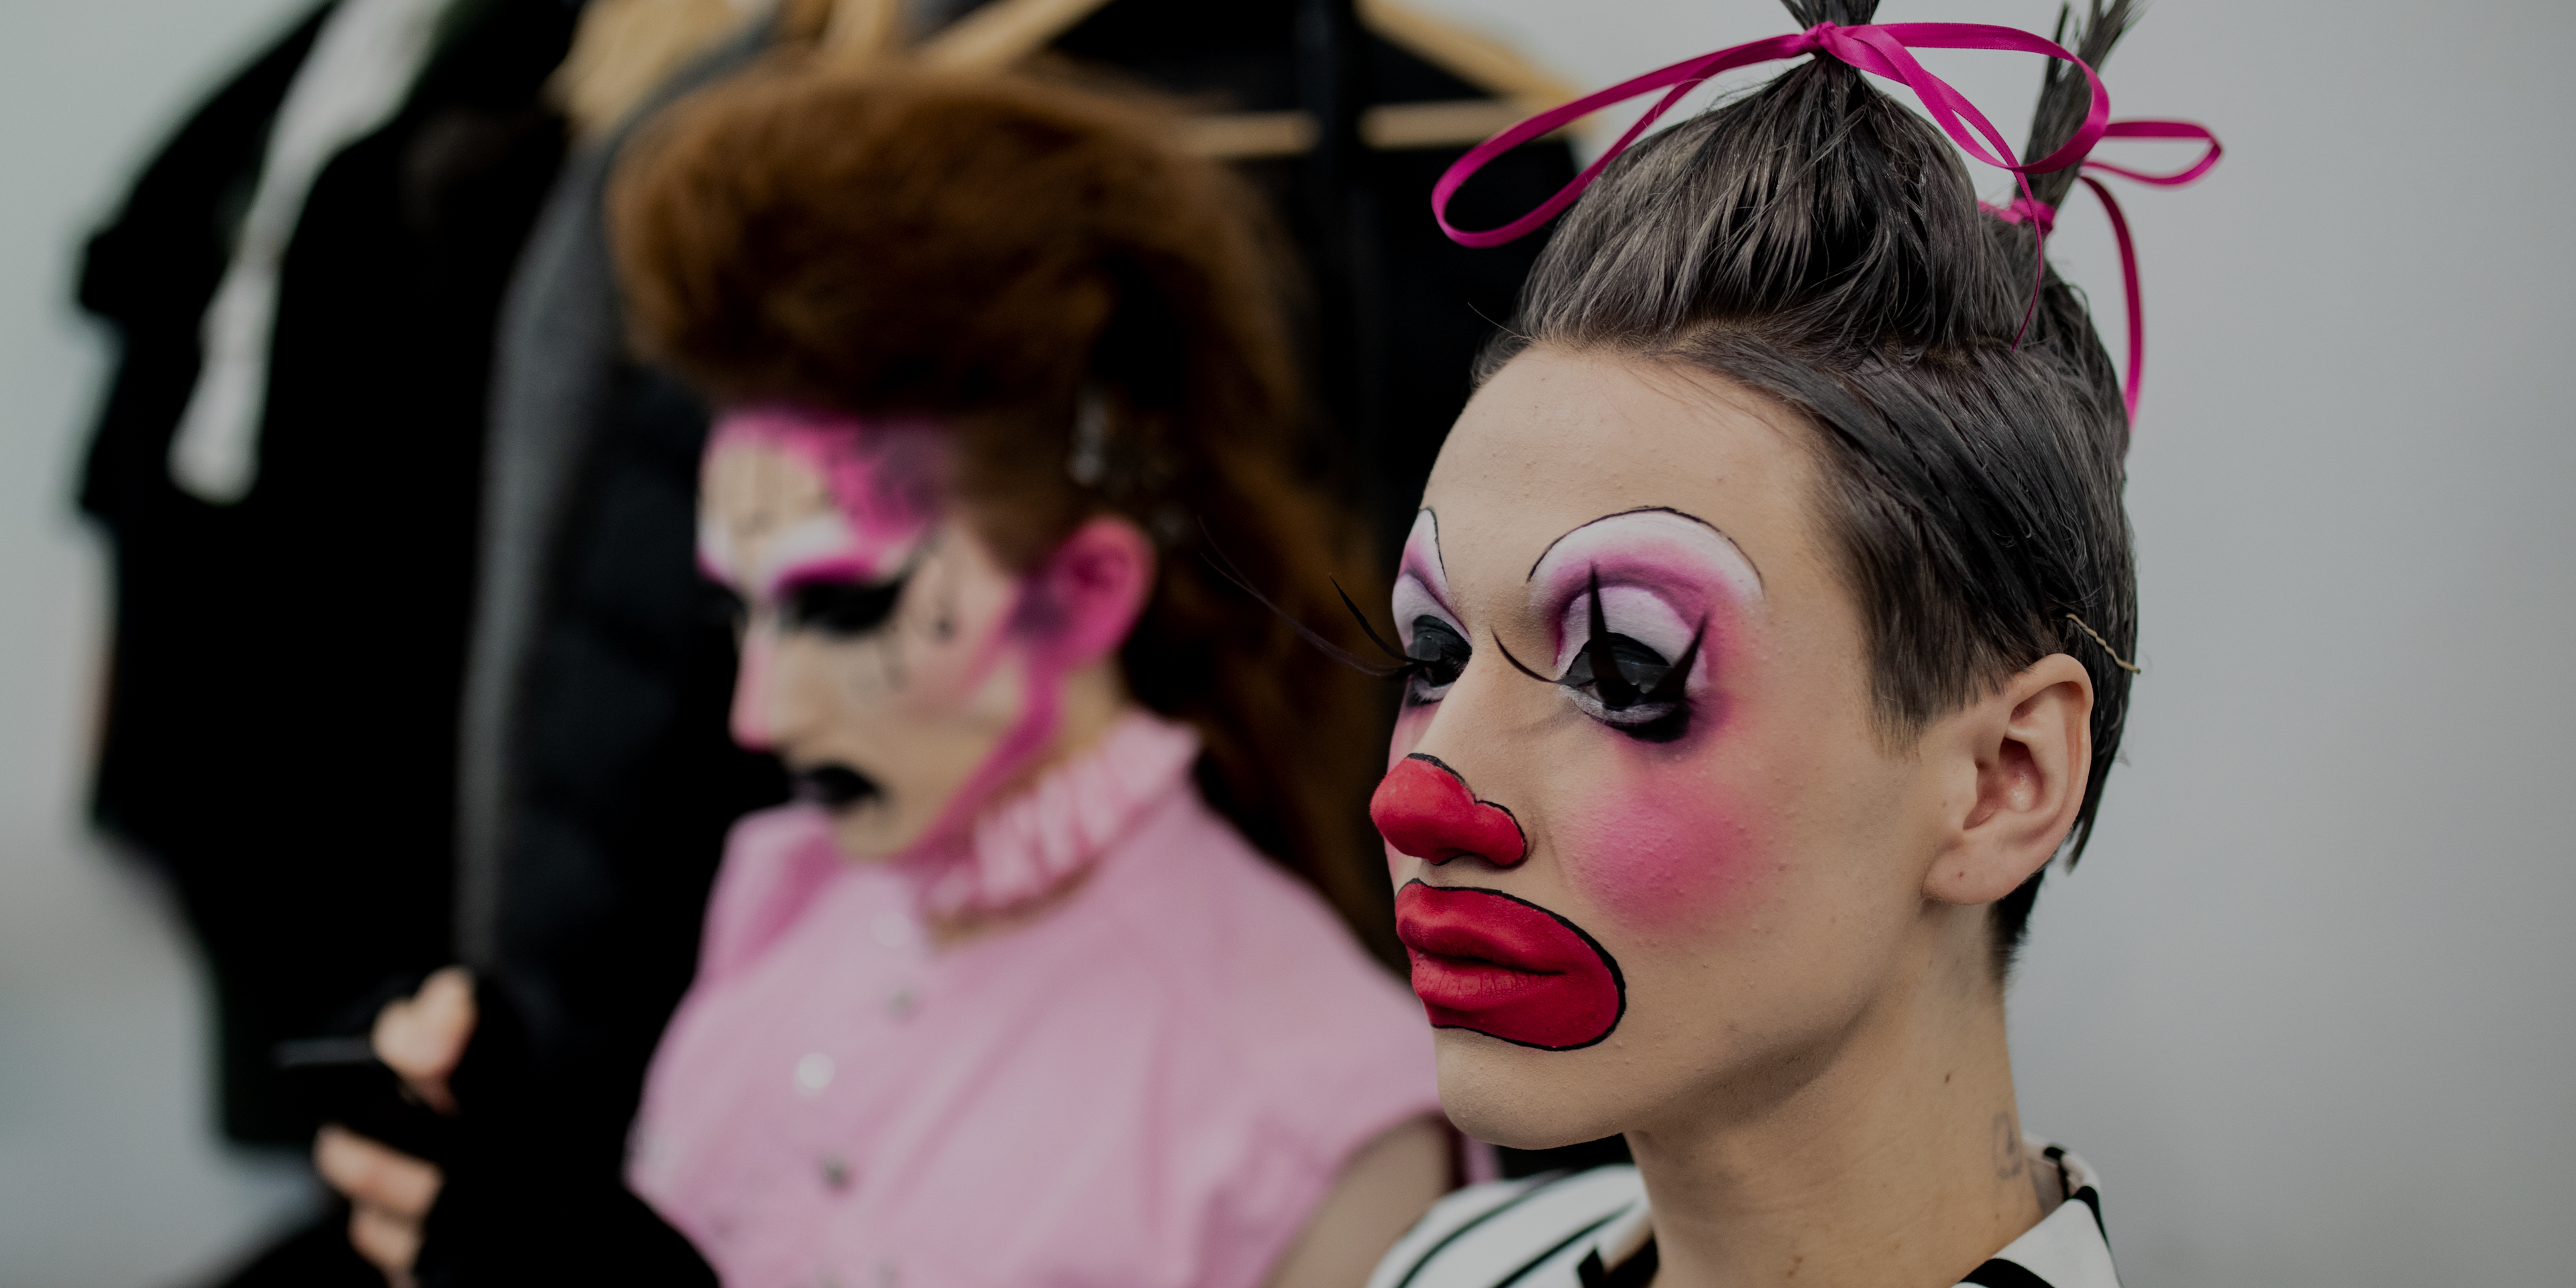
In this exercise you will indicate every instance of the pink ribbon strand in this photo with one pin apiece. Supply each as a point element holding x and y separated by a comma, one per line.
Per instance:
<point>2042,217</point>
<point>1883,50</point>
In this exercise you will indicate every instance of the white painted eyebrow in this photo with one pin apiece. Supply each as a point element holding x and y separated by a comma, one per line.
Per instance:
<point>1644,510</point>
<point>812,539</point>
<point>1426,529</point>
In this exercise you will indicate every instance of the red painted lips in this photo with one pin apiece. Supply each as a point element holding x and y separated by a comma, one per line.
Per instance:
<point>1485,961</point>
<point>1423,808</point>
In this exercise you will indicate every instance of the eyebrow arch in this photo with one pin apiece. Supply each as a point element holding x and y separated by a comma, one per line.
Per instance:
<point>1437,556</point>
<point>809,572</point>
<point>1645,509</point>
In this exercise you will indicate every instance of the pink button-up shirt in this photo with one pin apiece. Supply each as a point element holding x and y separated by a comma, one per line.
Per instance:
<point>1151,1084</point>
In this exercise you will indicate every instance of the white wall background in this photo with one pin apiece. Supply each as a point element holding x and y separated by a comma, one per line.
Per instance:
<point>2311,1002</point>
<point>110,1173</point>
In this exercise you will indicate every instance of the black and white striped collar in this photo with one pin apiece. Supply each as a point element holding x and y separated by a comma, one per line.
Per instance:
<point>1592,1230</point>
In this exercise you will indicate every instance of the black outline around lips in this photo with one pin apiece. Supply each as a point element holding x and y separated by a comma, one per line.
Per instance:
<point>1443,766</point>
<point>1618,981</point>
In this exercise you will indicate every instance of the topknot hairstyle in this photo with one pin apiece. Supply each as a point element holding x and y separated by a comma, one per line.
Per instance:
<point>1095,315</point>
<point>1817,242</point>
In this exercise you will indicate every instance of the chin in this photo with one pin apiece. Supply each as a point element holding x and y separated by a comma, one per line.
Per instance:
<point>873,831</point>
<point>1521,1098</point>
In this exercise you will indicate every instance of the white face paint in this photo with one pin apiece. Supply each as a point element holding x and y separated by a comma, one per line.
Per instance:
<point>878,657</point>
<point>1425,626</point>
<point>1748,851</point>
<point>1660,572</point>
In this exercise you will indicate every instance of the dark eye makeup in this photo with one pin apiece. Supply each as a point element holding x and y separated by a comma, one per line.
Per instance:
<point>1619,680</point>
<point>1625,683</point>
<point>1438,654</point>
<point>840,609</point>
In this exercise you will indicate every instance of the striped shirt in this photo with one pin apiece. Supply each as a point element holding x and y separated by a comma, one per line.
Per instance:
<point>1592,1230</point>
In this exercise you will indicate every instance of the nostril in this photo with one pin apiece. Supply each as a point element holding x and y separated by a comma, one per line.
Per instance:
<point>1423,809</point>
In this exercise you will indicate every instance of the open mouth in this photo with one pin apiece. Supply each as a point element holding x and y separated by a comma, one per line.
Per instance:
<point>1508,968</point>
<point>835,787</point>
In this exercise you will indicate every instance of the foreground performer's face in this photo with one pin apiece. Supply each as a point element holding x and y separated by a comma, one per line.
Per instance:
<point>1659,874</point>
<point>883,657</point>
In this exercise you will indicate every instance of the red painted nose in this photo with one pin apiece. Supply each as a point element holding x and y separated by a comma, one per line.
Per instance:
<point>1423,808</point>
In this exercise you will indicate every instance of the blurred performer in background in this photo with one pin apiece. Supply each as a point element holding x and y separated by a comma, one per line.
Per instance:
<point>598,772</point>
<point>359,195</point>
<point>1009,997</point>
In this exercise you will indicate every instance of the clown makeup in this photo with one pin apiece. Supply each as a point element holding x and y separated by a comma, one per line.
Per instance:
<point>1635,783</point>
<point>1631,596</point>
<point>1424,621</point>
<point>823,500</point>
<point>880,658</point>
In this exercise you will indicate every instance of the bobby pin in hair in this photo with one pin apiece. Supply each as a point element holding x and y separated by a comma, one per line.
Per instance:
<point>2106,646</point>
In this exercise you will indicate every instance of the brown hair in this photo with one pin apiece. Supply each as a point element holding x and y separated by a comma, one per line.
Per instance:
<point>1011,257</point>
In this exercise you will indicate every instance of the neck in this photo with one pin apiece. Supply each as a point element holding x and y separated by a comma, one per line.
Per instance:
<point>1091,702</point>
<point>1887,1154</point>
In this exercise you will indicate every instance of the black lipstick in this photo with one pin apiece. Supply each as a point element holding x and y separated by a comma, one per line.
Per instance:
<point>835,787</point>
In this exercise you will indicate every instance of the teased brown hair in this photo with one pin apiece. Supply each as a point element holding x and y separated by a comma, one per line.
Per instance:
<point>1009,256</point>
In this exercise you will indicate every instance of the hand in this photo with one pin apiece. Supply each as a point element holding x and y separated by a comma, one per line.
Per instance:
<point>421,1037</point>
<point>389,1193</point>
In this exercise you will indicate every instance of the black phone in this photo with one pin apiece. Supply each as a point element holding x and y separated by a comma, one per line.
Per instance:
<point>340,1080</point>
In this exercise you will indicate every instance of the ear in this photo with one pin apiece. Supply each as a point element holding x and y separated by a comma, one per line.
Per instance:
<point>2018,761</point>
<point>1096,584</point>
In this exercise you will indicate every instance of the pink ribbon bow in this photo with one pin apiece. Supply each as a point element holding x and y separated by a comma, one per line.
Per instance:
<point>2044,218</point>
<point>1883,50</point>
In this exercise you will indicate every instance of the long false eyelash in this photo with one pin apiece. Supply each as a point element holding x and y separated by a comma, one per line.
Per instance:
<point>1405,667</point>
<point>1618,692</point>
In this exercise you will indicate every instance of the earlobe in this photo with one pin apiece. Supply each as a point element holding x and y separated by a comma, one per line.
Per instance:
<point>1098,581</point>
<point>2022,756</point>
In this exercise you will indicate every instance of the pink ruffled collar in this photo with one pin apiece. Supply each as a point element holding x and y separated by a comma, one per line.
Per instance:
<point>1032,844</point>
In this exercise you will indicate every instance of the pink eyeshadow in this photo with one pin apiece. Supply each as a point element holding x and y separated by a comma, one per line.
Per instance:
<point>837,568</point>
<point>1422,559</point>
<point>886,476</point>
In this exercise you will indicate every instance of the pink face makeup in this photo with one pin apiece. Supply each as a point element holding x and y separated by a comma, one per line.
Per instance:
<point>885,480</point>
<point>881,629</point>
<point>1657,854</point>
<point>1421,584</point>
<point>1639,606</point>
<point>1663,576</point>
<point>1657,838</point>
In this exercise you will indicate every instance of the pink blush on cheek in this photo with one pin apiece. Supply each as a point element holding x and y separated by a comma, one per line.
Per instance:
<point>1656,851</point>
